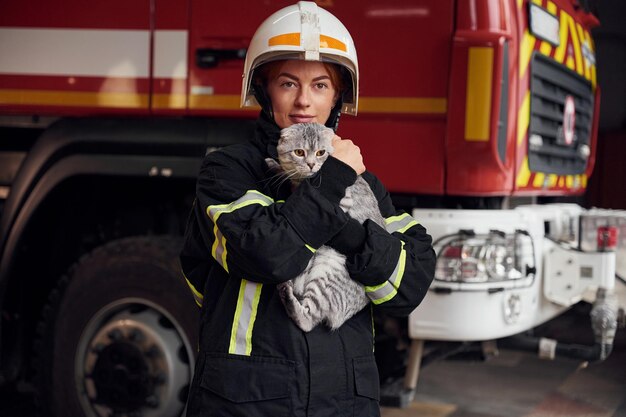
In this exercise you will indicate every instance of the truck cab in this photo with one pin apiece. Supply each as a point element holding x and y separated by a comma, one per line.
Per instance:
<point>106,109</point>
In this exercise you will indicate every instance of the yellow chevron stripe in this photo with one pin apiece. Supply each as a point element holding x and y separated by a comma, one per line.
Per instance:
<point>526,49</point>
<point>539,179</point>
<point>523,119</point>
<point>559,53</point>
<point>584,36</point>
<point>552,178</point>
<point>576,42</point>
<point>523,175</point>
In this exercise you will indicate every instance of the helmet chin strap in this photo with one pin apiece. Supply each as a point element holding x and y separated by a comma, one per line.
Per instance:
<point>260,94</point>
<point>335,113</point>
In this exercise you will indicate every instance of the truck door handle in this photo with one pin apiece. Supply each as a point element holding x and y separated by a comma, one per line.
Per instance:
<point>209,58</point>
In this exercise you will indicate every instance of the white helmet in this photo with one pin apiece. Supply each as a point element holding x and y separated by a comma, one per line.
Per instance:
<point>307,32</point>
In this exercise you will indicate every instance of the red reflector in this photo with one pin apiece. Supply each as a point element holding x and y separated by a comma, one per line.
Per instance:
<point>607,238</point>
<point>452,252</point>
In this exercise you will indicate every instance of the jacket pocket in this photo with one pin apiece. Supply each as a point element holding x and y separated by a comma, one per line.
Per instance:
<point>366,377</point>
<point>366,386</point>
<point>235,385</point>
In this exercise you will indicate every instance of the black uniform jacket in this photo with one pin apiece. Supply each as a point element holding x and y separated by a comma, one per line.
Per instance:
<point>249,232</point>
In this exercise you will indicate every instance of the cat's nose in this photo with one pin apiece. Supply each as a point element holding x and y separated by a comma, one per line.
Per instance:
<point>311,164</point>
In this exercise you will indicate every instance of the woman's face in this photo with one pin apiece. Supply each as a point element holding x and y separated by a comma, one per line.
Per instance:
<point>301,93</point>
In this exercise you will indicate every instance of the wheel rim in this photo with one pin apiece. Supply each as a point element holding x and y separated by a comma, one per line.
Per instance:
<point>133,359</point>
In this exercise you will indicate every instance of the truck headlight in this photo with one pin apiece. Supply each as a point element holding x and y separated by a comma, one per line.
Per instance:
<point>484,258</point>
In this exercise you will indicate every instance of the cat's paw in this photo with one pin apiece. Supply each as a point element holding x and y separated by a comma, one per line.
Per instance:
<point>285,291</point>
<point>347,202</point>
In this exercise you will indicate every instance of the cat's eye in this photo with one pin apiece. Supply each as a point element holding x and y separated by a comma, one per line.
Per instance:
<point>299,152</point>
<point>321,152</point>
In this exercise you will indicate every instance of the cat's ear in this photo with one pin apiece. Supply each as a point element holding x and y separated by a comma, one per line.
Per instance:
<point>289,133</point>
<point>328,134</point>
<point>273,166</point>
<point>287,137</point>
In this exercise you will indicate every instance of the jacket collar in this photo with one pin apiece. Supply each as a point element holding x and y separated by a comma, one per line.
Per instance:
<point>266,135</point>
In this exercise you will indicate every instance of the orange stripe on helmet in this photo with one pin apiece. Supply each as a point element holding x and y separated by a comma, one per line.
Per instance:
<point>293,39</point>
<point>328,42</point>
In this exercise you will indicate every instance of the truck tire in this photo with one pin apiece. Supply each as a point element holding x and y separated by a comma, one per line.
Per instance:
<point>119,334</point>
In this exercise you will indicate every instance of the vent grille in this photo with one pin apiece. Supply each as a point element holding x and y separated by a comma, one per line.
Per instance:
<point>551,83</point>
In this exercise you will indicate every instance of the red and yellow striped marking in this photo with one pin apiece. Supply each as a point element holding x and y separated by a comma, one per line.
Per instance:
<point>572,36</point>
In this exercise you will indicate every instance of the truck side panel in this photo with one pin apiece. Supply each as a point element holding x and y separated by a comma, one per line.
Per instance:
<point>68,58</point>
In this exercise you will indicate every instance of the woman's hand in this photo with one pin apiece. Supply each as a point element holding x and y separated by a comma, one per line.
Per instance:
<point>348,153</point>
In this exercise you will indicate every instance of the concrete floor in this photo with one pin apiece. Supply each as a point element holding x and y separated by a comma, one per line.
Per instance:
<point>517,384</point>
<point>512,384</point>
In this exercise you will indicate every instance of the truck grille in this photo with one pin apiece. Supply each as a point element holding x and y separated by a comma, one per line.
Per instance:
<point>551,83</point>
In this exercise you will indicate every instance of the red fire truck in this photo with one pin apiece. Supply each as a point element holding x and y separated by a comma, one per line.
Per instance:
<point>467,109</point>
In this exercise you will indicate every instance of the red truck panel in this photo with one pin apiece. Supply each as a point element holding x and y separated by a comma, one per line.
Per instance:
<point>430,77</point>
<point>401,122</point>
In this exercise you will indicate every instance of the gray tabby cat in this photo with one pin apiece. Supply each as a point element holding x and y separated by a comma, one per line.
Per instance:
<point>323,292</point>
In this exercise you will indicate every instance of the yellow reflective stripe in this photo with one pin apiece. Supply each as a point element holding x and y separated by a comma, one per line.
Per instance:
<point>219,250</point>
<point>584,38</point>
<point>381,293</point>
<point>400,223</point>
<point>523,119</point>
<point>524,174</point>
<point>244,318</point>
<point>559,53</point>
<point>197,295</point>
<point>552,178</point>
<point>255,306</point>
<point>552,8</point>
<point>397,280</point>
<point>539,179</point>
<point>74,98</point>
<point>311,248</point>
<point>577,50</point>
<point>388,289</point>
<point>250,197</point>
<point>414,105</point>
<point>478,93</point>
<point>526,49</point>
<point>386,298</point>
<point>545,48</point>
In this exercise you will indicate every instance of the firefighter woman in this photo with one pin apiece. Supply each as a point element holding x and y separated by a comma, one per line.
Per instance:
<point>248,233</point>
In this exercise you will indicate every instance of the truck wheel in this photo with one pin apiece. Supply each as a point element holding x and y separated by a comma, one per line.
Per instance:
<point>118,335</point>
